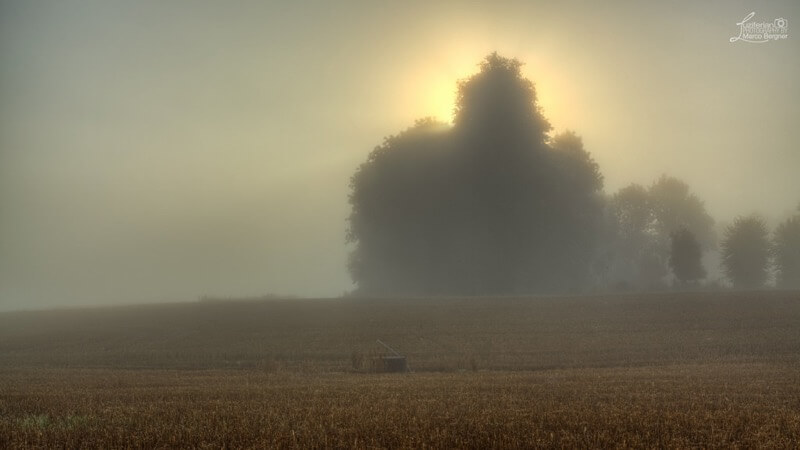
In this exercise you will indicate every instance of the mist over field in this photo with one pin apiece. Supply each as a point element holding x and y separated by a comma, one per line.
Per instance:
<point>155,151</point>
<point>410,224</point>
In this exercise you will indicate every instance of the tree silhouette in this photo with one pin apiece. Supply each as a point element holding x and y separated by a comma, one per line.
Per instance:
<point>685,257</point>
<point>787,253</point>
<point>745,252</point>
<point>490,205</point>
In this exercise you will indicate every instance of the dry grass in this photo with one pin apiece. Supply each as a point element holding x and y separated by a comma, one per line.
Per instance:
<point>676,371</point>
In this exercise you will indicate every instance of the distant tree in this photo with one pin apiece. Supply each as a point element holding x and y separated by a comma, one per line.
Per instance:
<point>745,252</point>
<point>786,248</point>
<point>675,208</point>
<point>646,219</point>
<point>632,207</point>
<point>489,205</point>
<point>685,257</point>
<point>637,261</point>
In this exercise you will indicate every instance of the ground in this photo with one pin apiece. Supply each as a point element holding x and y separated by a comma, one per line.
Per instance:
<point>637,370</point>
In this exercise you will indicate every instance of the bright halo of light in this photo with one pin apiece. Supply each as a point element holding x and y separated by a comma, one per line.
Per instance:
<point>436,84</point>
<point>433,88</point>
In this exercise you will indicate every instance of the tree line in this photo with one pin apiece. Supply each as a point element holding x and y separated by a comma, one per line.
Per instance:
<point>495,204</point>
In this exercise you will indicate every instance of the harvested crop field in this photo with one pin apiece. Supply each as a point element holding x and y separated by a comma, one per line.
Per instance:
<point>667,370</point>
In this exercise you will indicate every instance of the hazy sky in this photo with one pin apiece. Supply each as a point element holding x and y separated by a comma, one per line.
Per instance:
<point>162,150</point>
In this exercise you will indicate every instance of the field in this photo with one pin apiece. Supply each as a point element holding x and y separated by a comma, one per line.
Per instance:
<point>658,370</point>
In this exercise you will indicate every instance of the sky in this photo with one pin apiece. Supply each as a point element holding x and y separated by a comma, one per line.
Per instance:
<point>166,150</point>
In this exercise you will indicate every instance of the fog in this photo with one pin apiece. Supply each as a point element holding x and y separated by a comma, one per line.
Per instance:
<point>156,151</point>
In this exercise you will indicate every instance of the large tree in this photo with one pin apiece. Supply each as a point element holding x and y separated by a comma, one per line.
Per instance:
<point>787,253</point>
<point>490,205</point>
<point>745,252</point>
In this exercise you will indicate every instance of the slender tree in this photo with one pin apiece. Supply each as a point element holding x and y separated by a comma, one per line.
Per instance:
<point>745,252</point>
<point>685,257</point>
<point>786,248</point>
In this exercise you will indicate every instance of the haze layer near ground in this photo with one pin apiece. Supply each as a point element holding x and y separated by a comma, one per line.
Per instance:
<point>437,334</point>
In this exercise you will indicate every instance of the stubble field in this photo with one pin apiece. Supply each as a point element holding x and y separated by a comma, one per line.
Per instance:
<point>658,370</point>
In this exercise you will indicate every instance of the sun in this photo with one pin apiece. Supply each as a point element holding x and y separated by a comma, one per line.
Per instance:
<point>435,85</point>
<point>441,99</point>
